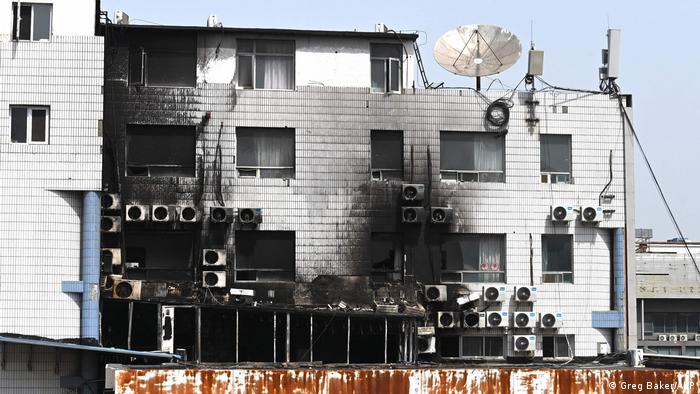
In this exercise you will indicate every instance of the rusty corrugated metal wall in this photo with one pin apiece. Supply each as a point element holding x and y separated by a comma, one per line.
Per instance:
<point>341,381</point>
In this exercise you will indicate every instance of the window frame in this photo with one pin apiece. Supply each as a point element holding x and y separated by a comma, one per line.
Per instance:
<point>481,275</point>
<point>257,169</point>
<point>561,275</point>
<point>386,60</point>
<point>148,166</point>
<point>15,37</point>
<point>253,56</point>
<point>483,356</point>
<point>570,348</point>
<point>473,175</point>
<point>381,171</point>
<point>29,125</point>
<point>551,176</point>
<point>398,246</point>
<point>237,269</point>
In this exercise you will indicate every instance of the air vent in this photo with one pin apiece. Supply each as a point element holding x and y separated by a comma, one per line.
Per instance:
<point>221,214</point>
<point>213,278</point>
<point>110,201</point>
<point>447,320</point>
<point>441,215</point>
<point>426,344</point>
<point>249,216</point>
<point>188,214</point>
<point>111,224</point>
<point>162,213</point>
<point>412,192</point>
<point>435,293</point>
<point>470,320</point>
<point>214,257</point>
<point>127,289</point>
<point>412,215</point>
<point>137,213</point>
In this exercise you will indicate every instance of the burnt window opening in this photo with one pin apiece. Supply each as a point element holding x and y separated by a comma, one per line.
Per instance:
<point>34,21</point>
<point>330,335</point>
<point>557,346</point>
<point>467,258</point>
<point>449,346</point>
<point>557,258</point>
<point>367,343</point>
<point>185,331</point>
<point>144,326</point>
<point>265,256</point>
<point>482,346</point>
<point>300,338</point>
<point>255,336</point>
<point>387,257</point>
<point>555,158</point>
<point>265,152</point>
<point>29,124</point>
<point>167,59</point>
<point>159,255</point>
<point>265,64</point>
<point>386,67</point>
<point>387,154</point>
<point>218,335</point>
<point>115,323</point>
<point>160,150</point>
<point>472,157</point>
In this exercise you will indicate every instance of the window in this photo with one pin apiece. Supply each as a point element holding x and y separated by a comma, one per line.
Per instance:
<point>34,21</point>
<point>386,63</point>
<point>472,258</point>
<point>266,64</point>
<point>486,346</point>
<point>387,257</point>
<point>555,158</point>
<point>471,157</point>
<point>557,346</point>
<point>160,150</point>
<point>29,124</point>
<point>163,60</point>
<point>668,350</point>
<point>557,252</point>
<point>265,256</point>
<point>265,152</point>
<point>159,255</point>
<point>387,154</point>
<point>670,323</point>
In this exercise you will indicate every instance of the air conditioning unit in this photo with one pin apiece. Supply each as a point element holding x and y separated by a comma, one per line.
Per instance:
<point>563,213</point>
<point>673,338</point>
<point>494,293</point>
<point>663,337</point>
<point>110,201</point>
<point>447,320</point>
<point>435,293</point>
<point>213,278</point>
<point>111,224</point>
<point>249,216</point>
<point>591,214</point>
<point>525,294</point>
<point>213,257</point>
<point>697,337</point>
<point>426,344</point>
<point>188,214</point>
<point>162,213</point>
<point>471,319</point>
<point>137,213</point>
<point>111,257</point>
<point>108,282</point>
<point>441,215</point>
<point>683,337</point>
<point>221,214</point>
<point>412,192</point>
<point>412,215</point>
<point>493,319</point>
<point>524,343</point>
<point>121,17</point>
<point>551,320</point>
<point>127,289</point>
<point>525,319</point>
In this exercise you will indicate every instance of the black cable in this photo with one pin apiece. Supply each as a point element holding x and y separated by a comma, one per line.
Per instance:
<point>607,186</point>
<point>658,186</point>
<point>568,89</point>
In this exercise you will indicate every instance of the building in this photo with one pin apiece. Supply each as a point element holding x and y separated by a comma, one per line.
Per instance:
<point>668,297</point>
<point>291,196</point>
<point>51,74</point>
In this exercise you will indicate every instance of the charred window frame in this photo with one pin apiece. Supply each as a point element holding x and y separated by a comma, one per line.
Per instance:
<point>468,258</point>
<point>472,156</point>
<point>34,21</point>
<point>159,255</point>
<point>386,254</point>
<point>163,60</point>
<point>482,346</point>
<point>555,158</point>
<point>557,258</point>
<point>558,346</point>
<point>160,150</point>
<point>387,154</point>
<point>265,256</point>
<point>386,67</point>
<point>266,64</point>
<point>29,124</point>
<point>265,152</point>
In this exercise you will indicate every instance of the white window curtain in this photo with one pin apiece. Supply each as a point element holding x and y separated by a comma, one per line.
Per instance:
<point>274,72</point>
<point>488,151</point>
<point>490,249</point>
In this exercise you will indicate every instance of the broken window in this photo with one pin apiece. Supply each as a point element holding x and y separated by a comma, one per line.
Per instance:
<point>330,333</point>
<point>144,326</point>
<point>482,346</point>
<point>265,152</point>
<point>387,154</point>
<point>29,124</point>
<point>265,256</point>
<point>472,157</point>
<point>255,336</point>
<point>160,150</point>
<point>385,60</point>
<point>555,158</point>
<point>266,64</point>
<point>218,335</point>
<point>154,255</point>
<point>472,258</point>
<point>167,60</point>
<point>559,346</point>
<point>557,255</point>
<point>387,257</point>
<point>34,21</point>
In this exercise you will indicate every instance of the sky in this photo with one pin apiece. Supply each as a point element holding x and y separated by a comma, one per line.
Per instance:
<point>660,52</point>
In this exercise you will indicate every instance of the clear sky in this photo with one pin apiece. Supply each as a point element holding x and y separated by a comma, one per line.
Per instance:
<point>660,55</point>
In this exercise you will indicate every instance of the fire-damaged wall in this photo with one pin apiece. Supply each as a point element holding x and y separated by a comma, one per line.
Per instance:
<point>325,225</point>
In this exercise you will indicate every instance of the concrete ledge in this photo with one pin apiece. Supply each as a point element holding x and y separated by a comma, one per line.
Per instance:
<point>72,286</point>
<point>608,319</point>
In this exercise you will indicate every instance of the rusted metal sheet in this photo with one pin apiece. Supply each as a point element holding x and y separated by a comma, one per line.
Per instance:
<point>361,381</point>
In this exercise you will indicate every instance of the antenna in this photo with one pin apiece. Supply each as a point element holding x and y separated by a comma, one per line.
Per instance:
<point>477,50</point>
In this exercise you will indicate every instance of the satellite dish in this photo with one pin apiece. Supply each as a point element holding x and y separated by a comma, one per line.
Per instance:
<point>477,50</point>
